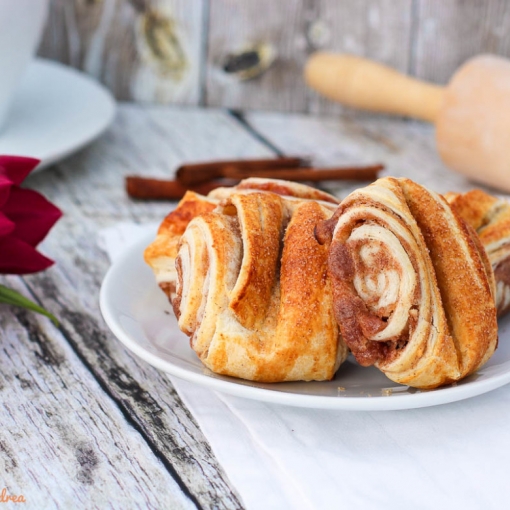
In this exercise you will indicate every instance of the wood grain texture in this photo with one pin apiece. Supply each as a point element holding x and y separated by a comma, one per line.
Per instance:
<point>172,51</point>
<point>143,50</point>
<point>235,25</point>
<point>63,442</point>
<point>448,33</point>
<point>377,29</point>
<point>88,187</point>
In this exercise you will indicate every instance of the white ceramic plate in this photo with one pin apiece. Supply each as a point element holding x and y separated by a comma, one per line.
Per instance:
<point>140,316</point>
<point>56,111</point>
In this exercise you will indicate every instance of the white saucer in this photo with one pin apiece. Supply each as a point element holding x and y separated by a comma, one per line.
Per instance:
<point>140,316</point>
<point>56,111</point>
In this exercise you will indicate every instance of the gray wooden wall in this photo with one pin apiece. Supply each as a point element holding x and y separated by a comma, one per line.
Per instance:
<point>172,51</point>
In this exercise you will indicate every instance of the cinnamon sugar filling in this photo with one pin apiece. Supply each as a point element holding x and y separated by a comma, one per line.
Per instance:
<point>502,271</point>
<point>376,290</point>
<point>502,276</point>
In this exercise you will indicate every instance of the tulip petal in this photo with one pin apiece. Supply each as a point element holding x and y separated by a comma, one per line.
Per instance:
<point>32,214</point>
<point>18,257</point>
<point>5,189</point>
<point>6,225</point>
<point>16,168</point>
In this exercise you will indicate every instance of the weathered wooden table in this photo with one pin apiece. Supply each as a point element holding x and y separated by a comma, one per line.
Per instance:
<point>85,424</point>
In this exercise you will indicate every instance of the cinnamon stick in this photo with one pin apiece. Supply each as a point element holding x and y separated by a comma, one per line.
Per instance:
<point>161,189</point>
<point>361,173</point>
<point>202,172</point>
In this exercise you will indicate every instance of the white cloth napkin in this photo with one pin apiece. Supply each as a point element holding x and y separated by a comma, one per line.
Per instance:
<point>450,456</point>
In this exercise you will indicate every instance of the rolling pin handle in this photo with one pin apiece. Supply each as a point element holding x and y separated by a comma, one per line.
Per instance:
<point>364,84</point>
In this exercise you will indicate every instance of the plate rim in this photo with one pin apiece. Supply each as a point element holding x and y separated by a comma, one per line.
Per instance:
<point>346,403</point>
<point>109,109</point>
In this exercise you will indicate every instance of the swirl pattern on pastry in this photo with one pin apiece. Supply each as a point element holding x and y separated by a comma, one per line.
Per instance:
<point>253,293</point>
<point>161,253</point>
<point>490,217</point>
<point>412,293</point>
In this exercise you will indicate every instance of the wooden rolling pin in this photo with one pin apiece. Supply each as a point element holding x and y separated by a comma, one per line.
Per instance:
<point>471,114</point>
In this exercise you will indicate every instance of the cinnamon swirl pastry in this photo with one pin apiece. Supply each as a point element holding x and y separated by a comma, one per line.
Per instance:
<point>161,254</point>
<point>490,217</point>
<point>413,291</point>
<point>252,289</point>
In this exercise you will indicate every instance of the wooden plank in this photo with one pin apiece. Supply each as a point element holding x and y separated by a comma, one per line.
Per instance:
<point>448,33</point>
<point>143,50</point>
<point>166,61</point>
<point>64,443</point>
<point>89,189</point>
<point>406,148</point>
<point>376,29</point>
<point>234,26</point>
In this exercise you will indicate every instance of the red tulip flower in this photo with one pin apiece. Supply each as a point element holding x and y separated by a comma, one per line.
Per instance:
<point>25,219</point>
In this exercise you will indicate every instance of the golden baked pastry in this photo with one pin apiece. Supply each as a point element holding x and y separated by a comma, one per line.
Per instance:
<point>490,217</point>
<point>160,255</point>
<point>284,188</point>
<point>252,290</point>
<point>413,290</point>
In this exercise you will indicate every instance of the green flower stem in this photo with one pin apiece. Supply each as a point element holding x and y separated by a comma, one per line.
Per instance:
<point>11,297</point>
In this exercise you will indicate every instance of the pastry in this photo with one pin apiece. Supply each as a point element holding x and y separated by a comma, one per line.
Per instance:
<point>252,289</point>
<point>490,217</point>
<point>160,255</point>
<point>413,289</point>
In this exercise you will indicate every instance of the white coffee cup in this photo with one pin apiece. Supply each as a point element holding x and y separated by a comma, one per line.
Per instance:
<point>21,26</point>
